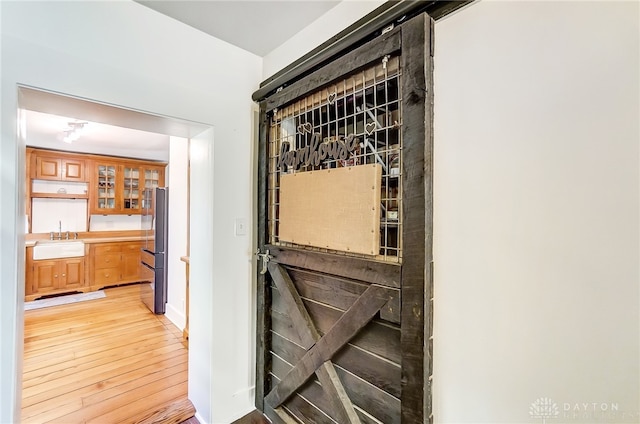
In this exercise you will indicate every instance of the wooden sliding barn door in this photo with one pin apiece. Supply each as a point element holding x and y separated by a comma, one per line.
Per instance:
<point>345,236</point>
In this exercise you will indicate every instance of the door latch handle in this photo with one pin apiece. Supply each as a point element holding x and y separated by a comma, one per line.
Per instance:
<point>265,257</point>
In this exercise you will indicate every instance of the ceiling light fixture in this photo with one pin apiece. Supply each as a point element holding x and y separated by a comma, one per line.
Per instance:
<point>73,131</point>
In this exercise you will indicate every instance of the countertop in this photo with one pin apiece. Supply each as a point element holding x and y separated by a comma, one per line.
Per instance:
<point>91,240</point>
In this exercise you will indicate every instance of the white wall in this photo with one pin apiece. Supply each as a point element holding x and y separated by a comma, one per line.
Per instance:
<point>536,212</point>
<point>326,26</point>
<point>176,180</point>
<point>125,54</point>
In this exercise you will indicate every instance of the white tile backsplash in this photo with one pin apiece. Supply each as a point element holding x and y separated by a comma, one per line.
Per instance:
<point>114,222</point>
<point>48,214</point>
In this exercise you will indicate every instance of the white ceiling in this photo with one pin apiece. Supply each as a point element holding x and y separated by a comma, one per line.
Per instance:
<point>258,26</point>
<point>46,130</point>
<point>110,130</point>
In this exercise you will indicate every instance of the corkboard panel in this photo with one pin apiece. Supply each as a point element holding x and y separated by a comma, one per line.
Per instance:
<point>337,209</point>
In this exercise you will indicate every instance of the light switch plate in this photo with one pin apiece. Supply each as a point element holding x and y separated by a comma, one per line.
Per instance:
<point>241,227</point>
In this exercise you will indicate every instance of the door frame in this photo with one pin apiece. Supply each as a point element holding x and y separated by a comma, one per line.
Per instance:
<point>202,166</point>
<point>417,268</point>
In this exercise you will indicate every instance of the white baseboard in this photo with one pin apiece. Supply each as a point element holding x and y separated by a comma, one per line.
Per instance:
<point>200,419</point>
<point>247,411</point>
<point>175,316</point>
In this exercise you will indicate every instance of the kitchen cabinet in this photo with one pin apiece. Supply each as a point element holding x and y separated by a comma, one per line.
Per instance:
<point>131,188</point>
<point>59,168</point>
<point>117,185</point>
<point>104,188</point>
<point>114,263</point>
<point>55,276</point>
<point>112,185</point>
<point>130,261</point>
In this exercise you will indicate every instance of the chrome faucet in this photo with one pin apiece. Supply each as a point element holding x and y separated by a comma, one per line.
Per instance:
<point>59,230</point>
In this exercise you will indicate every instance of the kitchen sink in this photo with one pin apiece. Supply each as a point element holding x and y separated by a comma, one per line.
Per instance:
<point>55,249</point>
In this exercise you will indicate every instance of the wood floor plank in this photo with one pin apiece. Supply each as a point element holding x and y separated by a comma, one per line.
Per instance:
<point>108,388</point>
<point>178,412</point>
<point>154,399</point>
<point>76,380</point>
<point>87,337</point>
<point>79,328</point>
<point>37,369</point>
<point>91,346</point>
<point>105,360</point>
<point>151,394</point>
<point>82,370</point>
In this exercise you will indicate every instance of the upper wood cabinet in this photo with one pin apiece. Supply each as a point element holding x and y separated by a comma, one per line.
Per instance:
<point>113,185</point>
<point>105,184</point>
<point>117,186</point>
<point>57,168</point>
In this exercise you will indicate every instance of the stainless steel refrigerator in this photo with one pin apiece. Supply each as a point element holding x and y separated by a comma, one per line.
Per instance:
<point>153,289</point>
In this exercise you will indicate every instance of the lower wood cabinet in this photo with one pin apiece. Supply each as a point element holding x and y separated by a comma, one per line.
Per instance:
<point>53,276</point>
<point>104,264</point>
<point>114,263</point>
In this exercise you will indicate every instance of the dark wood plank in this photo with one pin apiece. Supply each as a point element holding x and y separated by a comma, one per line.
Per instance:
<point>365,28</point>
<point>358,58</point>
<point>371,368</point>
<point>313,390</point>
<point>417,178</point>
<point>299,406</point>
<point>377,337</point>
<point>376,402</point>
<point>346,328</point>
<point>302,324</point>
<point>339,292</point>
<point>307,337</point>
<point>253,417</point>
<point>372,404</point>
<point>374,272</point>
<point>263,301</point>
<point>338,398</point>
<point>307,412</point>
<point>277,417</point>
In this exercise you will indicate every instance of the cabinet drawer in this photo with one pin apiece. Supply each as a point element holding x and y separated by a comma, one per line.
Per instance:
<point>107,260</point>
<point>107,276</point>
<point>131,247</point>
<point>107,248</point>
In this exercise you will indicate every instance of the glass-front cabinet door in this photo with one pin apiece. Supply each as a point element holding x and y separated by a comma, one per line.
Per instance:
<point>106,200</point>
<point>118,186</point>
<point>131,189</point>
<point>152,177</point>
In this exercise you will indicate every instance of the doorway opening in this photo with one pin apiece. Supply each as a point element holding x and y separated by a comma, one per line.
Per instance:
<point>200,143</point>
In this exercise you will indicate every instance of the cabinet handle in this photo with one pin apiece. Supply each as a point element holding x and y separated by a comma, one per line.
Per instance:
<point>64,275</point>
<point>55,275</point>
<point>106,275</point>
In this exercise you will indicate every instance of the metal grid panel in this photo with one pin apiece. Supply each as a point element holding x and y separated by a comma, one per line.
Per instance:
<point>365,104</point>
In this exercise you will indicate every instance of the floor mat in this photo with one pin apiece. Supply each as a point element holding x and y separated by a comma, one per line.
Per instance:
<point>63,300</point>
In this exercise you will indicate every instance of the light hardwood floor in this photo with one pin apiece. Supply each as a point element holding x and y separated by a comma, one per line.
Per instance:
<point>101,361</point>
